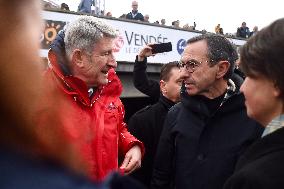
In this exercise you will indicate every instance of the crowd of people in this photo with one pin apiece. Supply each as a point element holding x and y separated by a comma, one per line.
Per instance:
<point>63,127</point>
<point>85,6</point>
<point>48,137</point>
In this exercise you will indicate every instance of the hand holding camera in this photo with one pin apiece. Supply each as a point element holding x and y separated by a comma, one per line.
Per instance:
<point>152,49</point>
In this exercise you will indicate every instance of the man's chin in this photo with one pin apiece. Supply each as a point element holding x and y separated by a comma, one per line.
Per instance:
<point>100,83</point>
<point>104,82</point>
<point>191,92</point>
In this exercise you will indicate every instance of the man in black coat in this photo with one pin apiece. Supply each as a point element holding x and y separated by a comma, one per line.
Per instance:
<point>134,14</point>
<point>141,80</point>
<point>205,134</point>
<point>243,31</point>
<point>147,123</point>
<point>151,87</point>
<point>262,166</point>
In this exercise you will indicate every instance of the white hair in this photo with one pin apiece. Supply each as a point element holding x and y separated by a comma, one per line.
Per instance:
<point>84,32</point>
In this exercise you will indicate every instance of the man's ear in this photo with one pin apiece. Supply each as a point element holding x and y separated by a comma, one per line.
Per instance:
<point>223,67</point>
<point>77,58</point>
<point>276,92</point>
<point>163,87</point>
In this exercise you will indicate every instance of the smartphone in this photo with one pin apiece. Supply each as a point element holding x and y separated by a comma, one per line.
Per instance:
<point>161,47</point>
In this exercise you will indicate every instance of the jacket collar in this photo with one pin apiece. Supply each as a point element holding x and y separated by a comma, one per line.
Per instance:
<point>196,104</point>
<point>268,144</point>
<point>166,102</point>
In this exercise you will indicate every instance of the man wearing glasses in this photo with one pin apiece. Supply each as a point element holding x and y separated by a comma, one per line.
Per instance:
<point>205,134</point>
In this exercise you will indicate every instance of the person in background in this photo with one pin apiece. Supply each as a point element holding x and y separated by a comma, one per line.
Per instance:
<point>254,31</point>
<point>221,32</point>
<point>146,18</point>
<point>141,80</point>
<point>243,31</point>
<point>194,26</point>
<point>238,70</point>
<point>186,26</point>
<point>262,60</point>
<point>85,6</point>
<point>29,159</point>
<point>163,22</point>
<point>82,68</point>
<point>176,24</point>
<point>205,134</point>
<point>123,16</point>
<point>134,14</point>
<point>151,87</point>
<point>109,14</point>
<point>217,29</point>
<point>147,123</point>
<point>64,7</point>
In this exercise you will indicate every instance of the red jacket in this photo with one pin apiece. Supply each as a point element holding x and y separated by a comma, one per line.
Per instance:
<point>94,125</point>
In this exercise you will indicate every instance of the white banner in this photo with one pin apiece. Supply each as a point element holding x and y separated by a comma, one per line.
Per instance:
<point>133,36</point>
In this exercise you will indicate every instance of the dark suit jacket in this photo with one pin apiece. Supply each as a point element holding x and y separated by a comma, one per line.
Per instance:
<point>200,143</point>
<point>138,16</point>
<point>262,166</point>
<point>146,125</point>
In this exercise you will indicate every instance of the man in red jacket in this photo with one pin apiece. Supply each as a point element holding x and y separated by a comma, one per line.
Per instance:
<point>91,113</point>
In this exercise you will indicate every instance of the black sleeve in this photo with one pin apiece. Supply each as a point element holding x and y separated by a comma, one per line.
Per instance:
<point>163,170</point>
<point>128,16</point>
<point>142,82</point>
<point>239,72</point>
<point>241,181</point>
<point>237,79</point>
<point>134,126</point>
<point>238,32</point>
<point>116,181</point>
<point>259,129</point>
<point>141,17</point>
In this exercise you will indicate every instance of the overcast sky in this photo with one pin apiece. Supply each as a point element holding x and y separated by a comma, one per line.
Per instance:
<point>206,13</point>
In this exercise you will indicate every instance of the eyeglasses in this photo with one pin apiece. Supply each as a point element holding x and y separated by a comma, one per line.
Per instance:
<point>190,65</point>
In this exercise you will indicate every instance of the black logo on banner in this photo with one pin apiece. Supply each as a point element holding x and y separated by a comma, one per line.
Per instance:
<point>50,31</point>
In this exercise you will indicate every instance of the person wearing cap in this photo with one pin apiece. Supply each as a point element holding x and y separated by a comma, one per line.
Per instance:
<point>82,66</point>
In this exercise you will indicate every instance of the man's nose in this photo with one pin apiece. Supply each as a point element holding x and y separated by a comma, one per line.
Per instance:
<point>112,62</point>
<point>184,74</point>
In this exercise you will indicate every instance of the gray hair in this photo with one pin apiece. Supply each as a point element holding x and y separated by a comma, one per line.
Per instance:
<point>219,48</point>
<point>84,32</point>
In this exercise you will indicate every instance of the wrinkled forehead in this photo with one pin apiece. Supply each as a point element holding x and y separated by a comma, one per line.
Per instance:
<point>196,51</point>
<point>104,44</point>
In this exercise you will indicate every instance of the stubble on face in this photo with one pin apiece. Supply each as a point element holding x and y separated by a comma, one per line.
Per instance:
<point>201,80</point>
<point>97,65</point>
